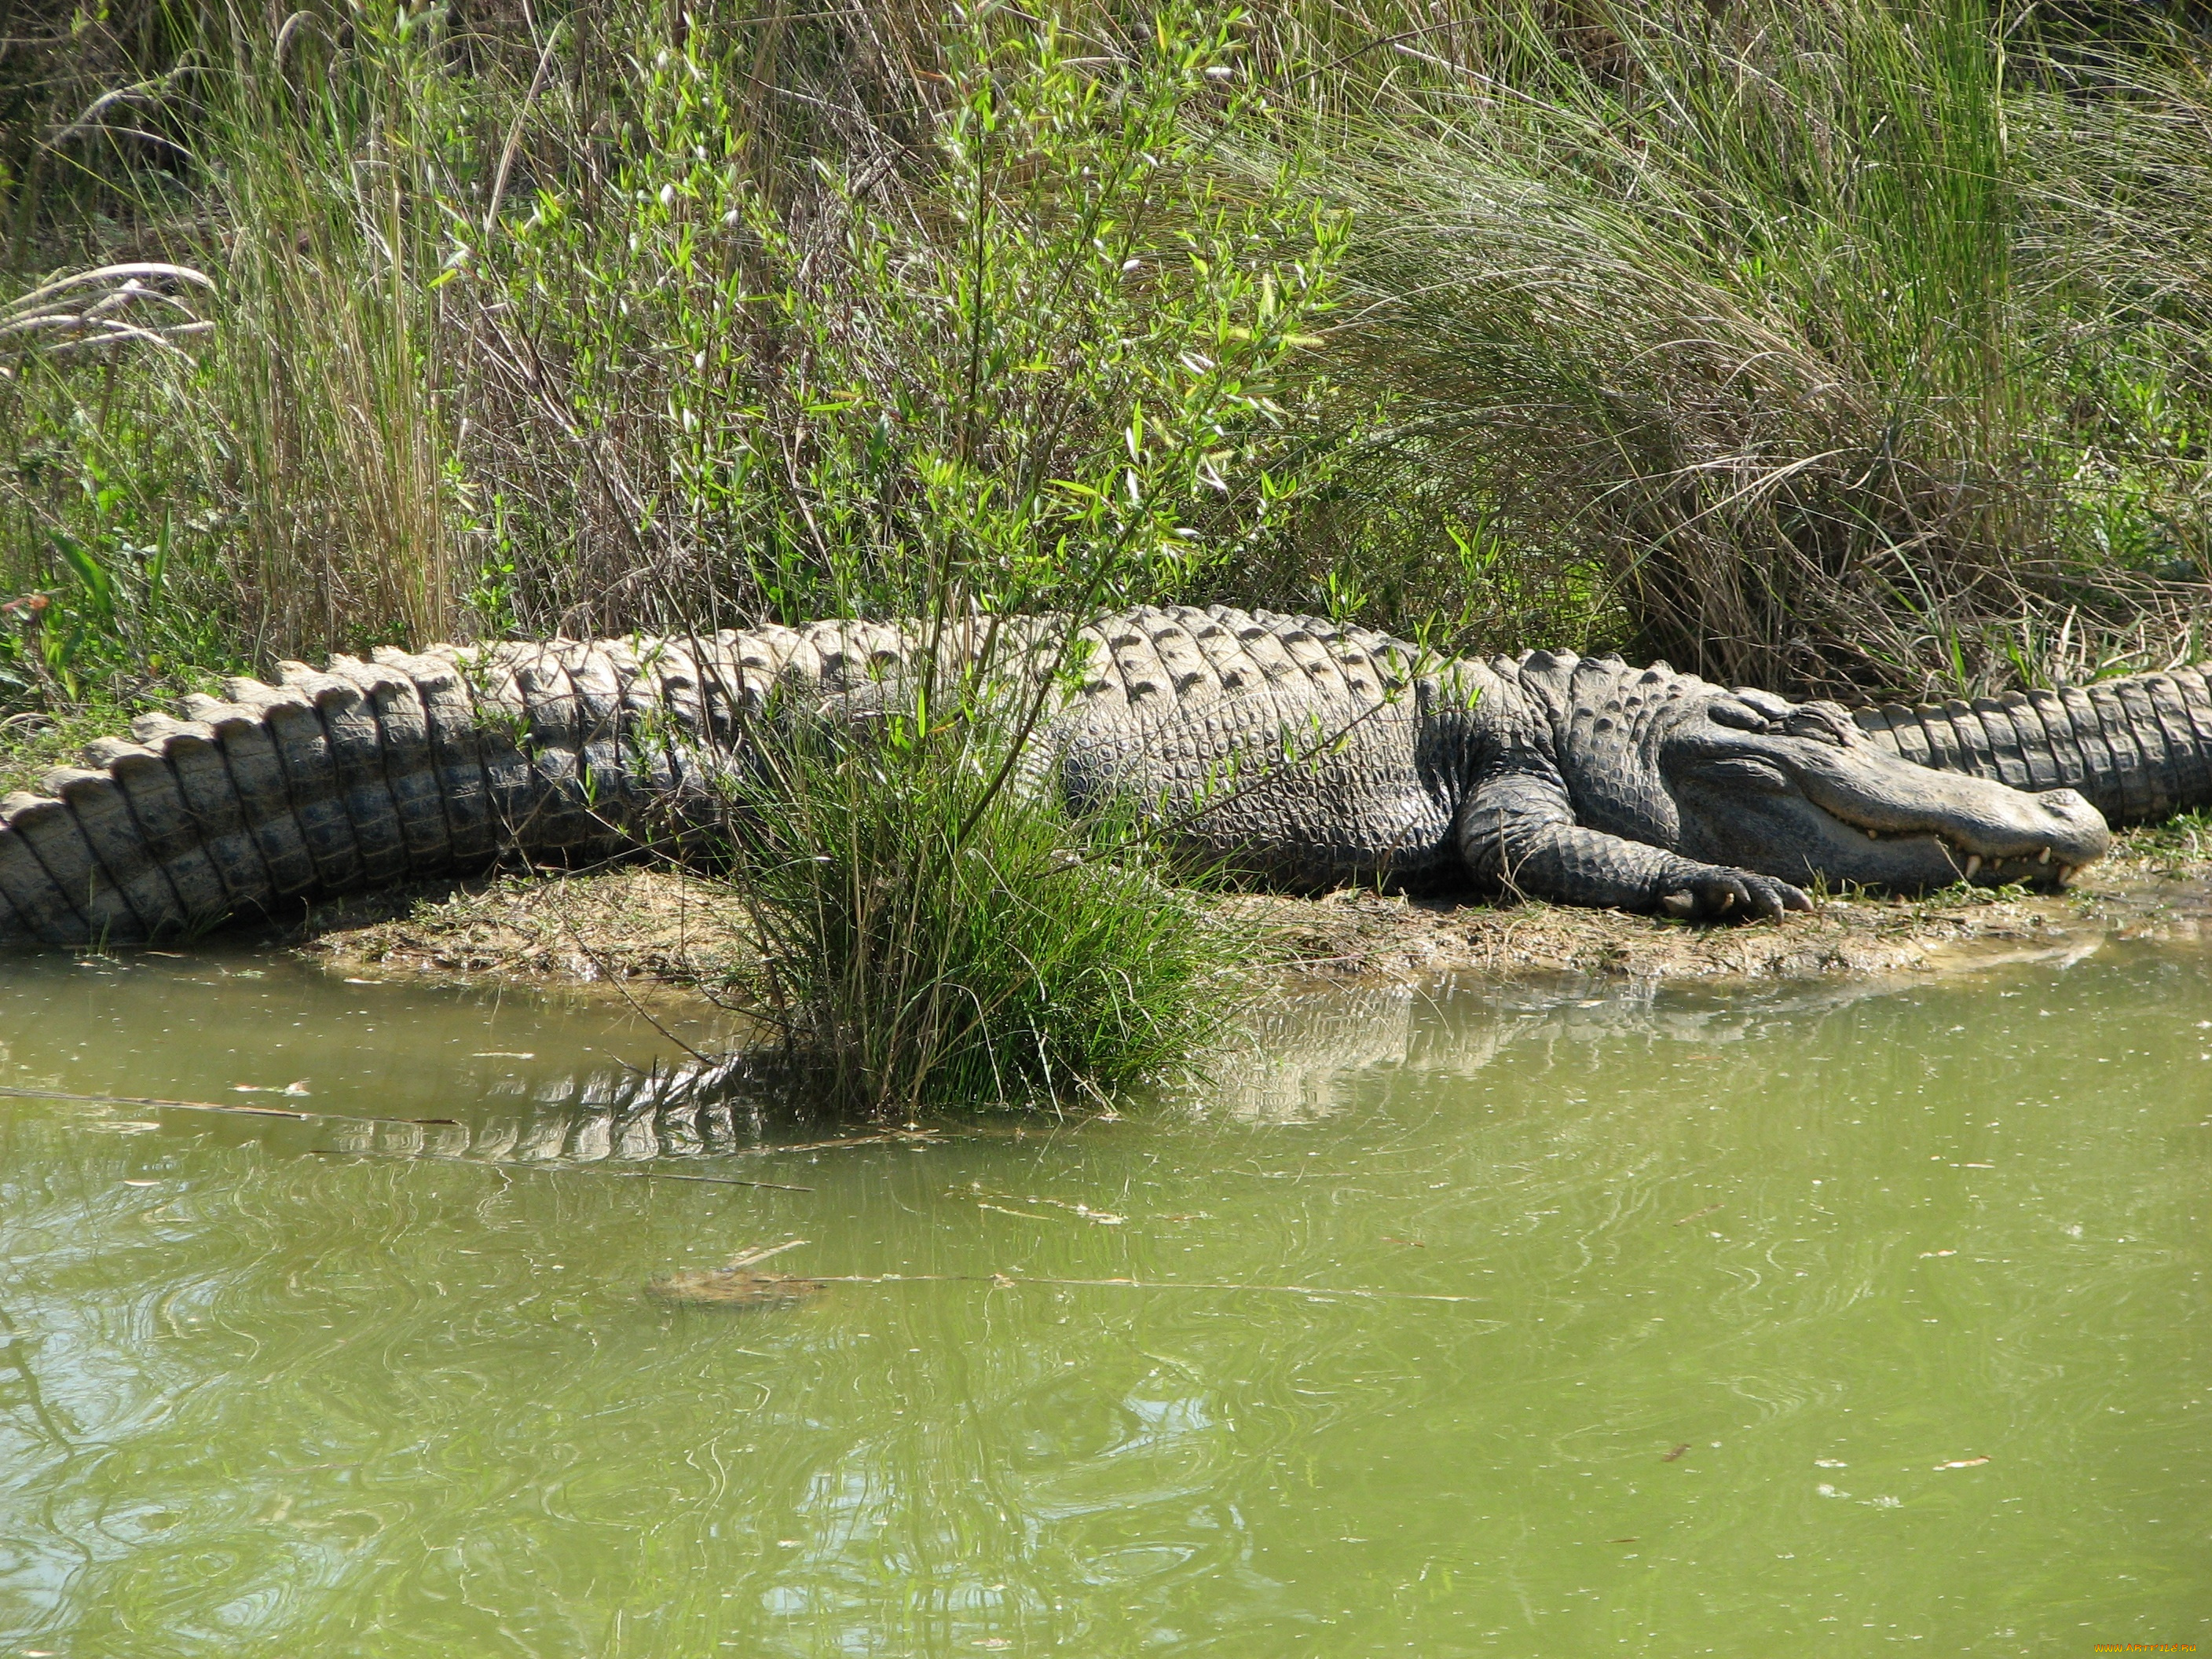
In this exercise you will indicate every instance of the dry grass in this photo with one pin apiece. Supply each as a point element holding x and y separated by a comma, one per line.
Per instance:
<point>1809,345</point>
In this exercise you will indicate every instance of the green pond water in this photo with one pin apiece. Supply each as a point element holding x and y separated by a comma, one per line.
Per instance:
<point>1828,1320</point>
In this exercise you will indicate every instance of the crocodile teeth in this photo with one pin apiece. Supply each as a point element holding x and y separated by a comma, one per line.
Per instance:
<point>2044,857</point>
<point>1974,863</point>
<point>1871,835</point>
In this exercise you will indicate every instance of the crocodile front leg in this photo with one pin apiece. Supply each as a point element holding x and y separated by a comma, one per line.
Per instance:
<point>1516,830</point>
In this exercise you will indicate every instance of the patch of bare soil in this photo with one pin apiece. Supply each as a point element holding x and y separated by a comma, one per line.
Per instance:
<point>633,924</point>
<point>637,927</point>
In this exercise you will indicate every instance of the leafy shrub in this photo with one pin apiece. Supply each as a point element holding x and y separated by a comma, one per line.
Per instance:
<point>1038,363</point>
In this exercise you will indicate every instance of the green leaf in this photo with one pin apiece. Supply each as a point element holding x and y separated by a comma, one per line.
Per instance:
<point>92,576</point>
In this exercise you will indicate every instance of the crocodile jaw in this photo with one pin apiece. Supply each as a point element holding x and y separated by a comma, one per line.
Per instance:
<point>1849,813</point>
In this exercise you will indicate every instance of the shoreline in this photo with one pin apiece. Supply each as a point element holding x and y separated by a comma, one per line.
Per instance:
<point>633,928</point>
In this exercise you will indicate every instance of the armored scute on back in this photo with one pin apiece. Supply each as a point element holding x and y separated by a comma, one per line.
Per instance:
<point>1311,754</point>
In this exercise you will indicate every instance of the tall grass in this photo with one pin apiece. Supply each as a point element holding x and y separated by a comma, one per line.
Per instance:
<point>297,465</point>
<point>1848,343</point>
<point>1819,344</point>
<point>335,376</point>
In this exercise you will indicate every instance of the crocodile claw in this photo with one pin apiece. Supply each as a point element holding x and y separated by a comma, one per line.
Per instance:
<point>1712,891</point>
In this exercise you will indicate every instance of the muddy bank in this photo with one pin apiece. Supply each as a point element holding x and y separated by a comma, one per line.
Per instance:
<point>638,927</point>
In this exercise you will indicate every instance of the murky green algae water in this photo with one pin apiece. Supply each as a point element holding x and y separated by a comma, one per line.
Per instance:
<point>1828,1319</point>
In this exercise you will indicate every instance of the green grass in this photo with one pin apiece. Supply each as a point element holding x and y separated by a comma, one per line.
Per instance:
<point>2177,847</point>
<point>1819,345</point>
<point>933,933</point>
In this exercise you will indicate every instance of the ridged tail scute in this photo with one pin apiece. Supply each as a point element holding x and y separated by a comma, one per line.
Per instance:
<point>156,805</point>
<point>356,739</point>
<point>453,737</point>
<point>2139,748</point>
<point>54,879</point>
<point>363,774</point>
<point>307,781</point>
<point>218,809</point>
<point>249,750</point>
<point>392,700</point>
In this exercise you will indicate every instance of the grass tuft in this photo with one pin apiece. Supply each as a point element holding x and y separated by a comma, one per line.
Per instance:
<point>931,932</point>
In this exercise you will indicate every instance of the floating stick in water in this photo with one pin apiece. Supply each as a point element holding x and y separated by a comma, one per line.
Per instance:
<point>553,1168</point>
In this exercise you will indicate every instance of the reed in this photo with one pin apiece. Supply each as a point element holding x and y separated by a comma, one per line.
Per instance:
<point>1824,345</point>
<point>1847,344</point>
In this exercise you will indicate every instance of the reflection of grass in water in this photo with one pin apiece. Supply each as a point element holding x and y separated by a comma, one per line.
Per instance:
<point>533,1438</point>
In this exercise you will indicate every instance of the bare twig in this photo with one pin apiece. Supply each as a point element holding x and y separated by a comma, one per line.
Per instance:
<point>1010,1281</point>
<point>20,1093</point>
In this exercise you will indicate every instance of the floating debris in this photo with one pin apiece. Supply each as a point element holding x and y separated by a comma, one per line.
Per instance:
<point>734,1284</point>
<point>703,1283</point>
<point>1676,1453</point>
<point>16,1092</point>
<point>734,1288</point>
<point>983,1194</point>
<point>550,1167</point>
<point>1963,1463</point>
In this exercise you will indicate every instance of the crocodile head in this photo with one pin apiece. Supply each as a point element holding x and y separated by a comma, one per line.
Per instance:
<point>1795,790</point>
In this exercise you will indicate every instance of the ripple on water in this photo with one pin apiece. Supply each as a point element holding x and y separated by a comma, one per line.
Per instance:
<point>1857,1238</point>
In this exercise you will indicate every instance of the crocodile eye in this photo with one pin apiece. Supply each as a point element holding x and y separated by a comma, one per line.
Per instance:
<point>1823,722</point>
<point>1765,703</point>
<point>1732,712</point>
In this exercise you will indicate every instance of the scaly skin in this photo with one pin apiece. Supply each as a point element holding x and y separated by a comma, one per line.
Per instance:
<point>1312,754</point>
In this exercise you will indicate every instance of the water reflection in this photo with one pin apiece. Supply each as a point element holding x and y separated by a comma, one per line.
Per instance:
<point>1298,1057</point>
<point>1836,1243</point>
<point>687,1108</point>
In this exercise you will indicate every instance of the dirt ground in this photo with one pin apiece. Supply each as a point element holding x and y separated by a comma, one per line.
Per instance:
<point>640,927</point>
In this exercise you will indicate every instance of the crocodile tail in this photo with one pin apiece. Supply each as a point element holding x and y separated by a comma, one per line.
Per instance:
<point>367,774</point>
<point>2139,748</point>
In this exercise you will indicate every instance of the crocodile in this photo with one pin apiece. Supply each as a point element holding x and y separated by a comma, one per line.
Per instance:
<point>1308,753</point>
